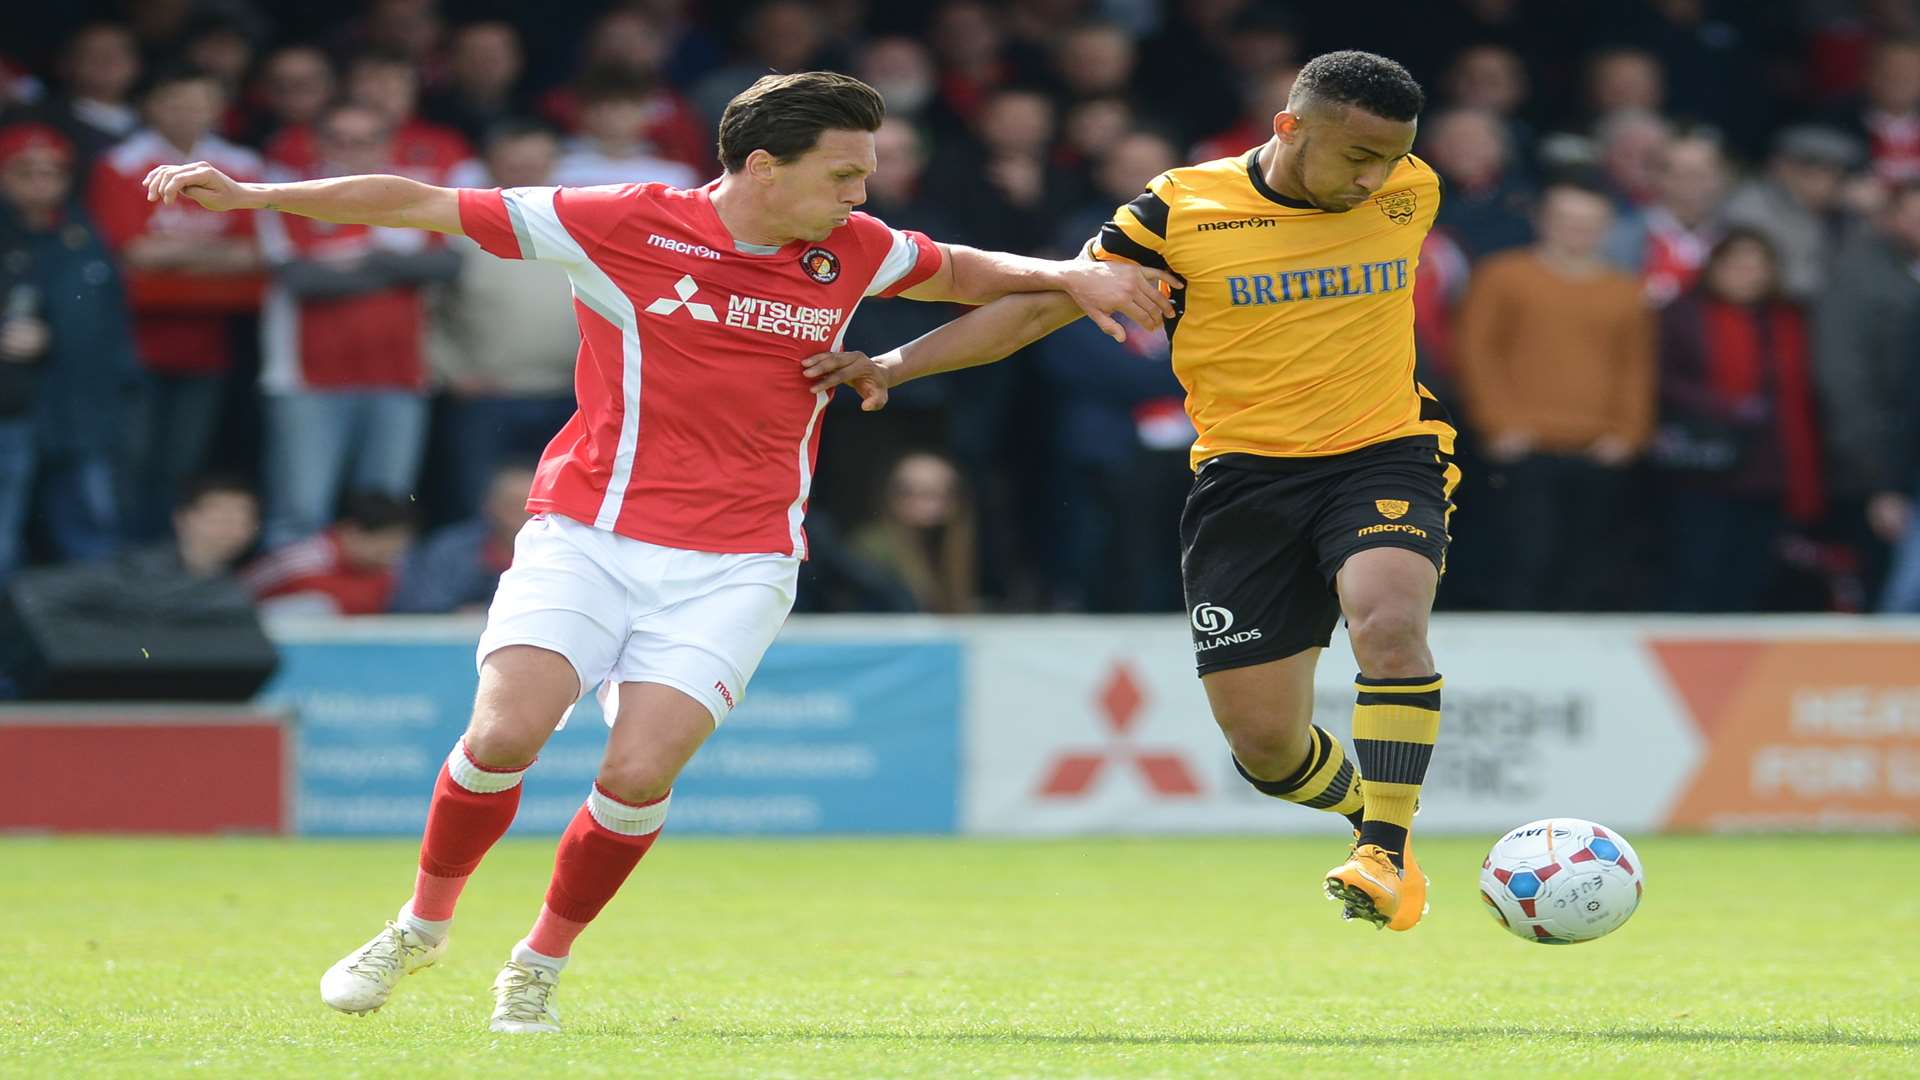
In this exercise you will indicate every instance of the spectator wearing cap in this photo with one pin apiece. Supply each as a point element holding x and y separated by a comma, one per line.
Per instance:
<point>189,272</point>
<point>1797,204</point>
<point>66,355</point>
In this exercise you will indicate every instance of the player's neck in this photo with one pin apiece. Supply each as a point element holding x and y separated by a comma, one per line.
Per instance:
<point>745,219</point>
<point>1273,166</point>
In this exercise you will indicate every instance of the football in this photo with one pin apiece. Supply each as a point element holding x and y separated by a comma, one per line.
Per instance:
<point>1561,881</point>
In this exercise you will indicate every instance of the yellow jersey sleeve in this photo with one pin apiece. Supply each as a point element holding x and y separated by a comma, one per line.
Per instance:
<point>1138,230</point>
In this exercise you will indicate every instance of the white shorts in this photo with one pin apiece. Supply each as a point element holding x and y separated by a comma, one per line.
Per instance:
<point>623,610</point>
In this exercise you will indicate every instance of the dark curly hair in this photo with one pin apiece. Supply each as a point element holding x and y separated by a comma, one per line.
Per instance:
<point>1365,80</point>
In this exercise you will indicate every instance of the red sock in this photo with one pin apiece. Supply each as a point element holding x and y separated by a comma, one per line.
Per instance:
<point>472,806</point>
<point>601,846</point>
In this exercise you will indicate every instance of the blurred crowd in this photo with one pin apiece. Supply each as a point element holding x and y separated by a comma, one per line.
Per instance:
<point>1671,297</point>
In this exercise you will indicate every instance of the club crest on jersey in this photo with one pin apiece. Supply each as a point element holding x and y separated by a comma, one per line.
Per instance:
<point>1398,206</point>
<point>821,265</point>
<point>1391,509</point>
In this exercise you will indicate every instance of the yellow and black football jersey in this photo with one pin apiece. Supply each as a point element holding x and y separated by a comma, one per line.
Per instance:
<point>1295,332</point>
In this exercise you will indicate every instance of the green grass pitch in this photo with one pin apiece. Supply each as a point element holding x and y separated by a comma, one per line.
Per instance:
<point>962,958</point>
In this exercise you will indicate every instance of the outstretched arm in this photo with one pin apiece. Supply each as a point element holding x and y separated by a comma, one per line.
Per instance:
<point>392,201</point>
<point>971,276</point>
<point>979,337</point>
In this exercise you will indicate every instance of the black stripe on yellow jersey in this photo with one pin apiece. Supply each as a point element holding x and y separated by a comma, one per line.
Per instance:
<point>1295,331</point>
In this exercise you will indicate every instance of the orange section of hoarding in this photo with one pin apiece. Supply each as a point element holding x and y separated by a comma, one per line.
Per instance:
<point>1799,734</point>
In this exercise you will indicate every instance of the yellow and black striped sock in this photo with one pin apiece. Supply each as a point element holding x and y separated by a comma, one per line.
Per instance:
<point>1395,723</point>
<point>1325,781</point>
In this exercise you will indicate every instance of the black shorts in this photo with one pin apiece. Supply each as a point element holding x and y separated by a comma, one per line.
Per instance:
<point>1261,540</point>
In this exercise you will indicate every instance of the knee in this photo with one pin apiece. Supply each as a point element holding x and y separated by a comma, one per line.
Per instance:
<point>1268,747</point>
<point>503,740</point>
<point>1390,642</point>
<point>635,778</point>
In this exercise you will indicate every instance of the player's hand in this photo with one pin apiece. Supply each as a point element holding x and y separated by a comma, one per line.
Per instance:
<point>868,378</point>
<point>1105,289</point>
<point>200,182</point>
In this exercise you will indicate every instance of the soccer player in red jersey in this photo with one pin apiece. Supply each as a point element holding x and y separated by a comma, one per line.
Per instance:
<point>666,537</point>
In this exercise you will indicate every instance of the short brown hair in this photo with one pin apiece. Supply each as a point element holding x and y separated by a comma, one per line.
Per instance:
<point>785,114</point>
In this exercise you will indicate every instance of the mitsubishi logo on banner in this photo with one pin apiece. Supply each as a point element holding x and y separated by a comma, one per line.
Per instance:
<point>1073,774</point>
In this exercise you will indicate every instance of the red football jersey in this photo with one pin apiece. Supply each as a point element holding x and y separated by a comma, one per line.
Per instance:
<point>180,319</point>
<point>367,341</point>
<point>695,428</point>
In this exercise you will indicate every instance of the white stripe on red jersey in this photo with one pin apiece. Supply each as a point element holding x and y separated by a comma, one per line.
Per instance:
<point>695,428</point>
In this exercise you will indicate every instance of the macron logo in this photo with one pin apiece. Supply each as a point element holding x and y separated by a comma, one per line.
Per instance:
<point>681,247</point>
<point>684,289</point>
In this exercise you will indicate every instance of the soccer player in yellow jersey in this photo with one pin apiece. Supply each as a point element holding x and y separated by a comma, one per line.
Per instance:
<point>1323,483</point>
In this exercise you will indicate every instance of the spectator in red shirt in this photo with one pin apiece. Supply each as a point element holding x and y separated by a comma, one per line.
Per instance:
<point>189,271</point>
<point>389,84</point>
<point>1667,243</point>
<point>1889,116</point>
<point>1737,448</point>
<point>343,343</point>
<point>349,569</point>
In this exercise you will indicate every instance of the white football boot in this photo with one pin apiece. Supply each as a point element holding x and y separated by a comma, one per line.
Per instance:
<point>364,979</point>
<point>523,999</point>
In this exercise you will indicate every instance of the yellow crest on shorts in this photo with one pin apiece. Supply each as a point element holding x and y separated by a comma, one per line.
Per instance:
<point>1398,206</point>
<point>1391,509</point>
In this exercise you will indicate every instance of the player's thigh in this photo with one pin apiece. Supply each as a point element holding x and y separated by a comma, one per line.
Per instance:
<point>555,601</point>
<point>709,640</point>
<point>656,730</point>
<point>524,691</point>
<point>1253,593</point>
<point>1397,495</point>
<point>1382,538</point>
<point>1265,710</point>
